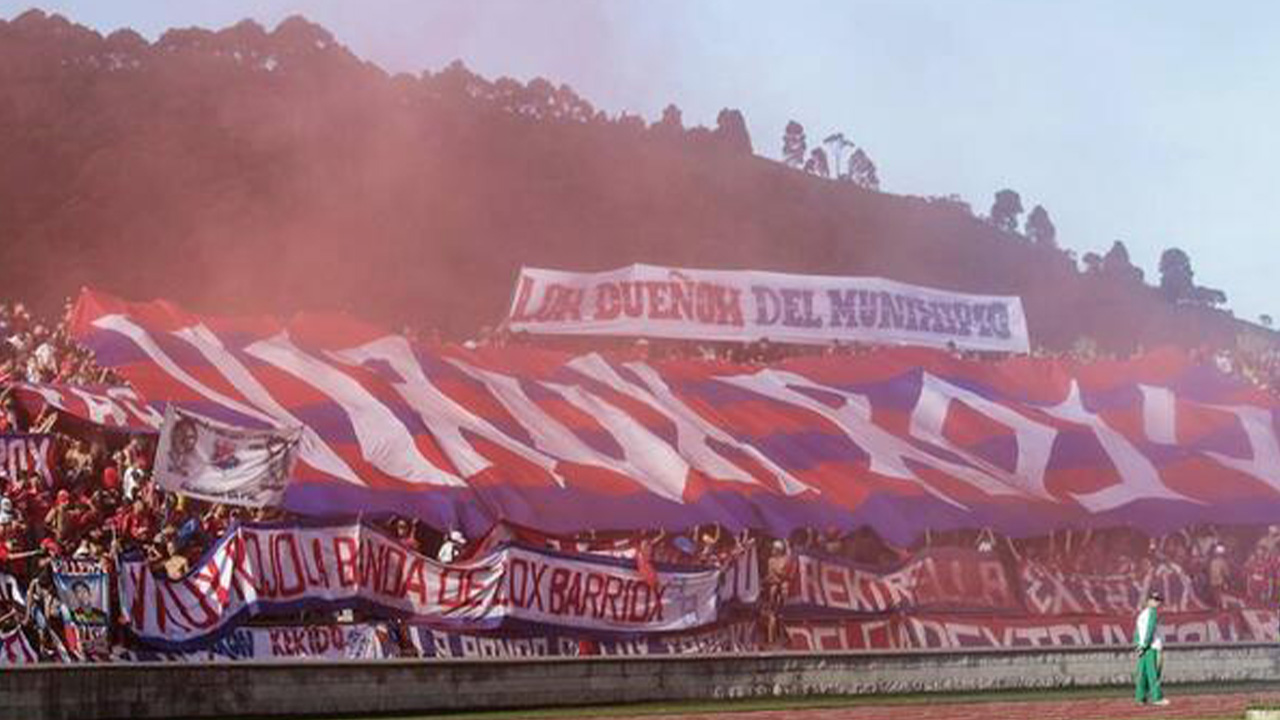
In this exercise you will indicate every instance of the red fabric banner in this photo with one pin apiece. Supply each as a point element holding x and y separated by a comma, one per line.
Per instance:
<point>958,631</point>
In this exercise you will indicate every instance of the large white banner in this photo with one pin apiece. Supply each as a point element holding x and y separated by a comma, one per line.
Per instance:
<point>219,463</point>
<point>254,570</point>
<point>746,305</point>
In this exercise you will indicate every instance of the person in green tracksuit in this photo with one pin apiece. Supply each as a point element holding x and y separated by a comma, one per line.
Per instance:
<point>1146,637</point>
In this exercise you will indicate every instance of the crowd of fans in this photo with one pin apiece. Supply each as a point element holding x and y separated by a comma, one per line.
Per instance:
<point>1250,362</point>
<point>1228,566</point>
<point>103,502</point>
<point>1256,365</point>
<point>43,352</point>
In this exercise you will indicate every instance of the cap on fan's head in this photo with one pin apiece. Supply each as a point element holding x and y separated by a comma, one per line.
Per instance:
<point>1155,595</point>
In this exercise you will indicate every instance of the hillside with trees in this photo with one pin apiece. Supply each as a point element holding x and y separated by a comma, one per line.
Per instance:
<point>249,169</point>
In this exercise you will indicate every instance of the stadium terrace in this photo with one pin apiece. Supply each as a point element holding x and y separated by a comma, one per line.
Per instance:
<point>882,517</point>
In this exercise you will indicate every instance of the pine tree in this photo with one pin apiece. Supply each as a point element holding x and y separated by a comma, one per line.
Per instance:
<point>731,131</point>
<point>1005,210</point>
<point>817,163</point>
<point>862,171</point>
<point>1040,229</point>
<point>1177,280</point>
<point>794,145</point>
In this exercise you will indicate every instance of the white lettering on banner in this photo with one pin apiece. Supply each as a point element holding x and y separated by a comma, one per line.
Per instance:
<point>888,453</point>
<point>113,406</point>
<point>739,637</point>
<point>384,440</point>
<point>284,644</point>
<point>1139,478</point>
<point>1159,414</point>
<point>438,429</point>
<point>836,586</point>
<point>939,579</point>
<point>129,400</point>
<point>691,444</point>
<point>1046,594</point>
<point>50,395</point>
<point>1264,453</point>
<point>313,451</point>
<point>144,341</point>
<point>736,637</point>
<point>647,458</point>
<point>259,567</point>
<point>359,642</point>
<point>475,646</point>
<point>692,430</point>
<point>1034,440</point>
<point>1049,591</point>
<point>448,417</point>
<point>954,632</point>
<point>1260,624</point>
<point>662,464</point>
<point>103,410</point>
<point>749,305</point>
<point>26,453</point>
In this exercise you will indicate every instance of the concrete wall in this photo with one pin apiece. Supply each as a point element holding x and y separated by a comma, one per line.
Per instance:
<point>265,689</point>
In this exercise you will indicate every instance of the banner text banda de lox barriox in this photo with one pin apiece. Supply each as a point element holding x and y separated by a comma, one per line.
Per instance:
<point>253,570</point>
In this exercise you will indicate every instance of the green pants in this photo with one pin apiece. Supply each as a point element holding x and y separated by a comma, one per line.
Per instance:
<point>1148,678</point>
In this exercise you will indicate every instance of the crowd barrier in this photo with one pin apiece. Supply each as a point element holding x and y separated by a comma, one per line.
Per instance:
<point>253,689</point>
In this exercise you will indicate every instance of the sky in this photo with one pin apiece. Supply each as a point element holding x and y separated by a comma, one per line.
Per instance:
<point>1148,121</point>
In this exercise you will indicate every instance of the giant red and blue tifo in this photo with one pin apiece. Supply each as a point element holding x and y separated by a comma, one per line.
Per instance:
<point>900,439</point>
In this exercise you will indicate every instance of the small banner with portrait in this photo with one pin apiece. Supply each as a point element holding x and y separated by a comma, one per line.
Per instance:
<point>212,461</point>
<point>82,587</point>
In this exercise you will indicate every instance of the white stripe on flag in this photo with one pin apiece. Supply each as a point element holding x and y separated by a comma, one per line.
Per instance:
<point>384,440</point>
<point>313,450</point>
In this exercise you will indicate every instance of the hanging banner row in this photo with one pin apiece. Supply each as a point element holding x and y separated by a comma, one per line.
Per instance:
<point>255,570</point>
<point>380,641</point>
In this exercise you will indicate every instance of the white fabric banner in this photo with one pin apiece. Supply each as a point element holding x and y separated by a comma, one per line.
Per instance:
<point>748,305</point>
<point>219,463</point>
<point>253,570</point>
<point>285,643</point>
